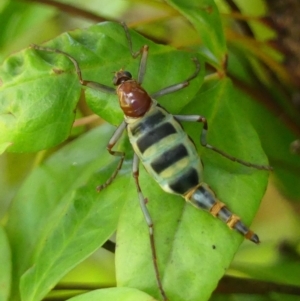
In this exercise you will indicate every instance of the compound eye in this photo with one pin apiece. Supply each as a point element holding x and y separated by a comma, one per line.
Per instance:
<point>127,74</point>
<point>121,76</point>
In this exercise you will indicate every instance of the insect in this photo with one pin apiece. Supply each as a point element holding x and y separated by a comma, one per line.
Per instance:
<point>161,145</point>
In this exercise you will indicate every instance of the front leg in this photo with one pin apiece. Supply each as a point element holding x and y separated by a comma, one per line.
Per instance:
<point>87,83</point>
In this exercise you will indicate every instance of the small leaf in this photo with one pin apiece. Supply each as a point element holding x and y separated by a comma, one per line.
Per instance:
<point>84,222</point>
<point>205,17</point>
<point>57,218</point>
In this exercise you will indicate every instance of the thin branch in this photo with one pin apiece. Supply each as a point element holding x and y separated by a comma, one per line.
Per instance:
<point>287,166</point>
<point>86,120</point>
<point>73,286</point>
<point>234,285</point>
<point>227,285</point>
<point>74,289</point>
<point>71,9</point>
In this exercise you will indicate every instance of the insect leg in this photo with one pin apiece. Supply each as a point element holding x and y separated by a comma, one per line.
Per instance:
<point>198,118</point>
<point>143,201</point>
<point>113,140</point>
<point>143,51</point>
<point>91,84</point>
<point>176,87</point>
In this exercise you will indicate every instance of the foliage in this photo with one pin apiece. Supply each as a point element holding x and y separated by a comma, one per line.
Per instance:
<point>57,219</point>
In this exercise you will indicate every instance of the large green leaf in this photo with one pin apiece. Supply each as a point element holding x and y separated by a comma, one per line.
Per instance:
<point>40,90</point>
<point>57,218</point>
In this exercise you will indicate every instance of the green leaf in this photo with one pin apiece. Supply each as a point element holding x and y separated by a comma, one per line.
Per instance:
<point>191,244</point>
<point>40,90</point>
<point>204,16</point>
<point>5,263</point>
<point>113,294</point>
<point>18,23</point>
<point>33,114</point>
<point>57,218</point>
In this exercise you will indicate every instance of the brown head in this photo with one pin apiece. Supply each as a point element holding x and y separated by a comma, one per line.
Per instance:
<point>133,99</point>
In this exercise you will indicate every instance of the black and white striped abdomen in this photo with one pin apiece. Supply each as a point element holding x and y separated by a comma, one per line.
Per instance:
<point>165,150</point>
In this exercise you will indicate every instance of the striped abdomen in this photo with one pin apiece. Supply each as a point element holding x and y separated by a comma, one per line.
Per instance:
<point>165,150</point>
<point>204,198</point>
